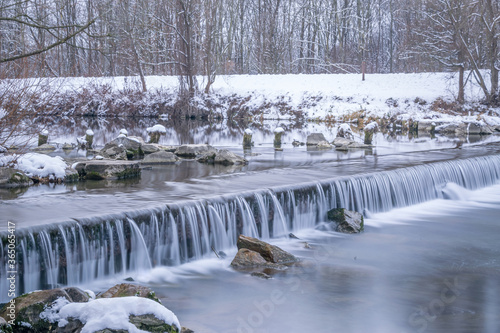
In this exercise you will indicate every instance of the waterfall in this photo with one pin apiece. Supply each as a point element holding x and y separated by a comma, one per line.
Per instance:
<point>83,250</point>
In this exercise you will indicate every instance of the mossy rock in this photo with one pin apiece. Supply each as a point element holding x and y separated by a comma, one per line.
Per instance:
<point>13,178</point>
<point>28,308</point>
<point>129,289</point>
<point>347,221</point>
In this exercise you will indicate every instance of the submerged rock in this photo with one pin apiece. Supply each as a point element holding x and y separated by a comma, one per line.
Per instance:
<point>108,169</point>
<point>344,144</point>
<point>348,221</point>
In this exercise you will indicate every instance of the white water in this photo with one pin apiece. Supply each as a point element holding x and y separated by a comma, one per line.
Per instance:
<point>77,252</point>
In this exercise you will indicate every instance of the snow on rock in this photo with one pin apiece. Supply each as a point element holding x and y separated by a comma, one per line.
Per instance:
<point>40,165</point>
<point>371,126</point>
<point>45,132</point>
<point>110,313</point>
<point>89,132</point>
<point>124,132</point>
<point>157,129</point>
<point>248,131</point>
<point>279,130</point>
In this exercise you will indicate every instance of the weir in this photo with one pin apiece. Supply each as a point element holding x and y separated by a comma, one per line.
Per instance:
<point>80,251</point>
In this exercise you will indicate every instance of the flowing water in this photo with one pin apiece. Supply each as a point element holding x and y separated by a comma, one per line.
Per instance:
<point>427,261</point>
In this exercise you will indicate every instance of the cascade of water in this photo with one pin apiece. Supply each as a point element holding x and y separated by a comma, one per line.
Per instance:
<point>81,251</point>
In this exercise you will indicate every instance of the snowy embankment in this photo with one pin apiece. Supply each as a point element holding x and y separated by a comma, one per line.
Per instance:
<point>331,97</point>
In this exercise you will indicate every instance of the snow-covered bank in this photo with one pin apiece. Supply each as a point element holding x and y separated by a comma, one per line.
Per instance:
<point>331,97</point>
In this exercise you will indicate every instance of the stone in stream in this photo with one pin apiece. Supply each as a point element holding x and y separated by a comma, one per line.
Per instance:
<point>269,252</point>
<point>315,139</point>
<point>348,221</point>
<point>222,156</point>
<point>193,151</point>
<point>132,146</point>
<point>107,169</point>
<point>160,157</point>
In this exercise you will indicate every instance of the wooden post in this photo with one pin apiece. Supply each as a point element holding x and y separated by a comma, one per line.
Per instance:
<point>363,69</point>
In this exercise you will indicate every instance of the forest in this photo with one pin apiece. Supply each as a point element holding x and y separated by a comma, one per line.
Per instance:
<point>92,38</point>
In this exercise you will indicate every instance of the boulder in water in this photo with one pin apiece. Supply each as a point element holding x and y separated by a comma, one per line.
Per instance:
<point>247,258</point>
<point>222,156</point>
<point>107,169</point>
<point>193,151</point>
<point>269,252</point>
<point>160,157</point>
<point>315,139</point>
<point>348,221</point>
<point>132,146</point>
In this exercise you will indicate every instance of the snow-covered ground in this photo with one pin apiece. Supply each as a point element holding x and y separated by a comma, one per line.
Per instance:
<point>315,97</point>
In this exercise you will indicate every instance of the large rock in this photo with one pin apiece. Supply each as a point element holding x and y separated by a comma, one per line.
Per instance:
<point>13,178</point>
<point>315,138</point>
<point>269,252</point>
<point>132,146</point>
<point>45,148</point>
<point>160,157</point>
<point>344,144</point>
<point>71,175</point>
<point>150,148</point>
<point>248,258</point>
<point>348,221</point>
<point>223,156</point>
<point>108,169</point>
<point>129,289</point>
<point>193,151</point>
<point>28,307</point>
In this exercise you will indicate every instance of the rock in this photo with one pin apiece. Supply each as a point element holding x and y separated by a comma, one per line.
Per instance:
<point>477,128</point>
<point>348,221</point>
<point>324,145</point>
<point>150,148</point>
<point>67,146</point>
<point>193,151</point>
<point>296,143</point>
<point>10,178</point>
<point>344,131</point>
<point>344,144</point>
<point>339,142</point>
<point>160,157</point>
<point>269,252</point>
<point>186,330</point>
<point>150,323</point>
<point>427,126</point>
<point>248,258</point>
<point>113,151</point>
<point>261,275</point>
<point>29,306</point>
<point>132,145</point>
<point>223,156</point>
<point>71,175</point>
<point>45,148</point>
<point>314,139</point>
<point>128,289</point>
<point>108,169</point>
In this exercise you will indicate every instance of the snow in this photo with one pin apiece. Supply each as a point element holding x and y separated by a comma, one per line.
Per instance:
<point>371,126</point>
<point>124,132</point>
<point>157,129</point>
<point>407,96</point>
<point>279,130</point>
<point>111,313</point>
<point>89,132</point>
<point>122,135</point>
<point>248,131</point>
<point>45,132</point>
<point>39,165</point>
